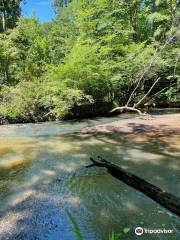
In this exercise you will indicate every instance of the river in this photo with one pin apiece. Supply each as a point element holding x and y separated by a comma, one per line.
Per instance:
<point>42,176</point>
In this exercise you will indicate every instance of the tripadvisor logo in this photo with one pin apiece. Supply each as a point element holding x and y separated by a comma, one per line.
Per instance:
<point>139,231</point>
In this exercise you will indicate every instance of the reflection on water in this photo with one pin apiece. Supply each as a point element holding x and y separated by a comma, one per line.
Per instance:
<point>42,175</point>
<point>161,111</point>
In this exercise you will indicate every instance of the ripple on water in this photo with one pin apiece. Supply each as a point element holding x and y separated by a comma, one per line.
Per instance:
<point>42,175</point>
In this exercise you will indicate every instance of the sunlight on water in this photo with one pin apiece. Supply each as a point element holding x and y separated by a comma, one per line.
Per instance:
<point>42,174</point>
<point>13,162</point>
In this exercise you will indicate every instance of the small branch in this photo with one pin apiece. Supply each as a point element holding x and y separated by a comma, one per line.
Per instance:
<point>165,199</point>
<point>154,95</point>
<point>100,163</point>
<point>142,99</point>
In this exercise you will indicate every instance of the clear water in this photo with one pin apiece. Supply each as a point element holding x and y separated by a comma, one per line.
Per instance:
<point>162,111</point>
<point>42,176</point>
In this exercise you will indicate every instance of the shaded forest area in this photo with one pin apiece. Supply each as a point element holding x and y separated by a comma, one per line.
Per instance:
<point>94,56</point>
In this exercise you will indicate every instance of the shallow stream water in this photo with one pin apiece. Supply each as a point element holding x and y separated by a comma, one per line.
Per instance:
<point>42,176</point>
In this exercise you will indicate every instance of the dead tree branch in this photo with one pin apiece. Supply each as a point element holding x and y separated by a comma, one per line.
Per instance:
<point>140,77</point>
<point>121,109</point>
<point>142,99</point>
<point>165,199</point>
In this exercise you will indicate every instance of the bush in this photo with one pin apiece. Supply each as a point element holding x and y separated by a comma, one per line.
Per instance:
<point>38,101</point>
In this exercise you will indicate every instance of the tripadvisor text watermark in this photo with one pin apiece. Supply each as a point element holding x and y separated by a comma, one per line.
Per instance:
<point>139,231</point>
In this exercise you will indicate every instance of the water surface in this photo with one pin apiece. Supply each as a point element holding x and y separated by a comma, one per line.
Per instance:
<point>42,175</point>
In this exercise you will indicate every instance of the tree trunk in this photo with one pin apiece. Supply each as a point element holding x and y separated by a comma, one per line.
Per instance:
<point>3,22</point>
<point>165,199</point>
<point>140,78</point>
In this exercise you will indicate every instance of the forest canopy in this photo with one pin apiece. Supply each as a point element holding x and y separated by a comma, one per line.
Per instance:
<point>94,52</point>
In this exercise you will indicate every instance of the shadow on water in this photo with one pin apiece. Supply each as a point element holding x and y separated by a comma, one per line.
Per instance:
<point>51,179</point>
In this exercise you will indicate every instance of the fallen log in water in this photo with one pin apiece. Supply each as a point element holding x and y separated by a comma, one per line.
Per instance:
<point>125,108</point>
<point>165,199</point>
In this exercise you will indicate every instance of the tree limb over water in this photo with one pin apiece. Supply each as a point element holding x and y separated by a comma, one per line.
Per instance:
<point>165,199</point>
<point>125,108</point>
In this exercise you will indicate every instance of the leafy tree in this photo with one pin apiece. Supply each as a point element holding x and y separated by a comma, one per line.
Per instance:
<point>10,12</point>
<point>121,52</point>
<point>25,52</point>
<point>61,3</point>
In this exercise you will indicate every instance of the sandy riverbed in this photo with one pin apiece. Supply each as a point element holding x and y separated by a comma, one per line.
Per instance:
<point>157,125</point>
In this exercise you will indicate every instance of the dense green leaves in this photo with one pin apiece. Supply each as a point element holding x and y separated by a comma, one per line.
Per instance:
<point>9,13</point>
<point>93,51</point>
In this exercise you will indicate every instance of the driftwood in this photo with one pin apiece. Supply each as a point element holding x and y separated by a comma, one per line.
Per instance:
<point>125,108</point>
<point>165,199</point>
<point>135,107</point>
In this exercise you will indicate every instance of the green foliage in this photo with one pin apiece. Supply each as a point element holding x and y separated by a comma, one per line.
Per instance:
<point>84,71</point>
<point>114,236</point>
<point>9,12</point>
<point>126,230</point>
<point>25,103</point>
<point>76,229</point>
<point>117,236</point>
<point>24,52</point>
<point>38,100</point>
<point>93,51</point>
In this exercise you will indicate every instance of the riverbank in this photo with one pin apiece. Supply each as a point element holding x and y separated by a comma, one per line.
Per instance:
<point>151,125</point>
<point>84,111</point>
